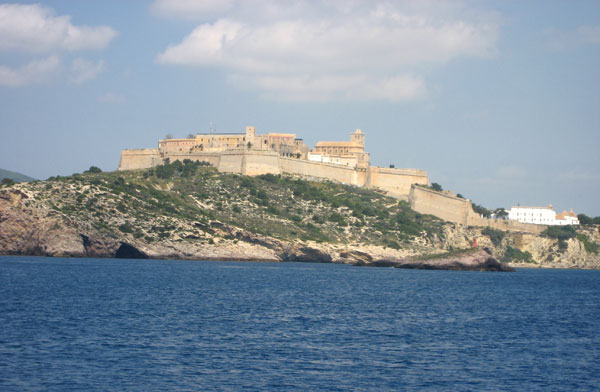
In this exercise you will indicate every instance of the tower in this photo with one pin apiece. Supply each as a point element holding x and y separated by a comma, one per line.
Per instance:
<point>250,134</point>
<point>358,137</point>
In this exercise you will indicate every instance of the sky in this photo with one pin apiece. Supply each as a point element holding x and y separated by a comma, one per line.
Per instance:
<point>497,100</point>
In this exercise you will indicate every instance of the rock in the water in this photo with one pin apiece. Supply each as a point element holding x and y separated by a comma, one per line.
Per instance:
<point>480,260</point>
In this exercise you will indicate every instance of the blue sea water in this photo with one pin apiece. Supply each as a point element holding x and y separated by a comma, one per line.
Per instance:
<point>139,325</point>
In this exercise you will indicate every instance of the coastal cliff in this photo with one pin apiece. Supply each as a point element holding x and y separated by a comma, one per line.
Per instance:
<point>189,211</point>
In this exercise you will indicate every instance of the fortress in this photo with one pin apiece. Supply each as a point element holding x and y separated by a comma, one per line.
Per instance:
<point>344,161</point>
<point>280,153</point>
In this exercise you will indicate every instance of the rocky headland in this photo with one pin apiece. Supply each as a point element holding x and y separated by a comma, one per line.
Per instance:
<point>189,211</point>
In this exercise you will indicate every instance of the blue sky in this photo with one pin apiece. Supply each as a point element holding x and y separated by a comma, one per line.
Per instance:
<point>496,100</point>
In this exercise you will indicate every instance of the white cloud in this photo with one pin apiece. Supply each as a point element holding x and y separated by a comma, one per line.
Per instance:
<point>351,50</point>
<point>566,39</point>
<point>35,29</point>
<point>112,98</point>
<point>83,70</point>
<point>191,9</point>
<point>36,71</point>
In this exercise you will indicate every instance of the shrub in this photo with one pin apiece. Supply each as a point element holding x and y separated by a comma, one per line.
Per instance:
<point>587,220</point>
<point>561,233</point>
<point>516,255</point>
<point>337,218</point>
<point>93,170</point>
<point>126,228</point>
<point>590,247</point>
<point>496,236</point>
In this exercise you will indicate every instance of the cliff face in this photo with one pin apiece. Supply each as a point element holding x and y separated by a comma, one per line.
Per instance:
<point>226,217</point>
<point>545,252</point>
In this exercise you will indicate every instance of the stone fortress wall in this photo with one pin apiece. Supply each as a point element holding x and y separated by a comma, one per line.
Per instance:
<point>454,209</point>
<point>250,157</point>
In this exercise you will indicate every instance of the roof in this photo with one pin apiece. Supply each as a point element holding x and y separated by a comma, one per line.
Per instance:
<point>338,144</point>
<point>178,140</point>
<point>564,214</point>
<point>282,134</point>
<point>535,208</point>
<point>221,134</point>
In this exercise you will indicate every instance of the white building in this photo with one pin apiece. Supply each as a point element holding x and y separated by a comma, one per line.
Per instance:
<point>542,216</point>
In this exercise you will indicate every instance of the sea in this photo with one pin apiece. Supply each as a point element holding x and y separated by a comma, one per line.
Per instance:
<point>150,325</point>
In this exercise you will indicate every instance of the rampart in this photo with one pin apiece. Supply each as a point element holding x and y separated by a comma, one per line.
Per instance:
<point>403,184</point>
<point>139,159</point>
<point>322,170</point>
<point>457,210</point>
<point>396,182</point>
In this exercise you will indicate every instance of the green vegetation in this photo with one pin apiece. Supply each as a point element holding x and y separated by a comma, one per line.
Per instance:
<point>517,256</point>
<point>496,236</point>
<point>16,177</point>
<point>591,247</point>
<point>183,201</point>
<point>436,187</point>
<point>587,220</point>
<point>93,170</point>
<point>561,233</point>
<point>481,210</point>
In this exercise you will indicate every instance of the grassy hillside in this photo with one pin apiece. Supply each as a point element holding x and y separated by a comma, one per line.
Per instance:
<point>16,177</point>
<point>178,201</point>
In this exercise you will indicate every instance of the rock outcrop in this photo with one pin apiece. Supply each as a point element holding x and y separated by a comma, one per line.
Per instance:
<point>477,260</point>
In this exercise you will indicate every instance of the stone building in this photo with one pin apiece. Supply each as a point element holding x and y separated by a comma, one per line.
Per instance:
<point>285,143</point>
<point>350,153</point>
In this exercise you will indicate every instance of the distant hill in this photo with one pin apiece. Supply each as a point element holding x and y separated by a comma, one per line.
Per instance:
<point>16,177</point>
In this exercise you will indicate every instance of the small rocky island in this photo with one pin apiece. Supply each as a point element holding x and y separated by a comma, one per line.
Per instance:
<point>467,260</point>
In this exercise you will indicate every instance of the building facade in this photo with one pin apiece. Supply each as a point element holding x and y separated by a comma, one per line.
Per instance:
<point>542,216</point>
<point>348,153</point>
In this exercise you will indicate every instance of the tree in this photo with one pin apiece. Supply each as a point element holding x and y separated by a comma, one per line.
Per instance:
<point>169,136</point>
<point>501,213</point>
<point>481,210</point>
<point>392,166</point>
<point>460,196</point>
<point>436,187</point>
<point>8,181</point>
<point>249,145</point>
<point>191,136</point>
<point>584,219</point>
<point>94,170</point>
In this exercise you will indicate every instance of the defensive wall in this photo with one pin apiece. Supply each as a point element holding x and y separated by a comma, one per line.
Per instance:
<point>142,158</point>
<point>321,170</point>
<point>251,162</point>
<point>458,210</point>
<point>403,184</point>
<point>396,182</point>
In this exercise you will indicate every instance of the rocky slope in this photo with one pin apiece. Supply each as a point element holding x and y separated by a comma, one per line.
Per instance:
<point>185,211</point>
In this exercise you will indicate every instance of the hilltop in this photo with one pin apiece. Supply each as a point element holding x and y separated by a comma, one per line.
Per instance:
<point>16,177</point>
<point>190,211</point>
